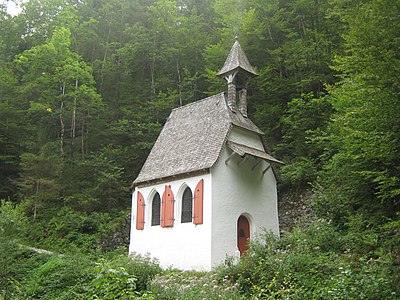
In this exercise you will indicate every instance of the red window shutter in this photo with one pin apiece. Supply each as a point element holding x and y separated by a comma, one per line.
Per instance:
<point>140,212</point>
<point>167,218</point>
<point>198,203</point>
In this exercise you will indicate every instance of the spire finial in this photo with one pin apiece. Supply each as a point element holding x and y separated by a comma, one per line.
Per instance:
<point>236,38</point>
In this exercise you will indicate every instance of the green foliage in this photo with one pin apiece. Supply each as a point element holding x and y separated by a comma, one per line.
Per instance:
<point>60,278</point>
<point>99,183</point>
<point>59,86</point>
<point>113,284</point>
<point>193,286</point>
<point>315,262</point>
<point>38,183</point>
<point>13,131</point>
<point>303,124</point>
<point>70,231</point>
<point>361,174</point>
<point>142,267</point>
<point>299,172</point>
<point>22,263</point>
<point>50,276</point>
<point>12,220</point>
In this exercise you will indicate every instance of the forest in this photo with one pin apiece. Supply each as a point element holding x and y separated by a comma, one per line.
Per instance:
<point>86,86</point>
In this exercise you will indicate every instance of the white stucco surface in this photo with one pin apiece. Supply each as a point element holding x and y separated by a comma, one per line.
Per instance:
<point>240,188</point>
<point>242,136</point>
<point>185,245</point>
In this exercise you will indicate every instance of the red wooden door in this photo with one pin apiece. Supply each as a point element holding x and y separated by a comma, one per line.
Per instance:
<point>243,234</point>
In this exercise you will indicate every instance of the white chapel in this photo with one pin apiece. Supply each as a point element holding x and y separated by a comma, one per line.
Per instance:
<point>208,185</point>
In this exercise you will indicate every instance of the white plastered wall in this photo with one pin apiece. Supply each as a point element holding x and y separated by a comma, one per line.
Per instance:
<point>238,189</point>
<point>185,245</point>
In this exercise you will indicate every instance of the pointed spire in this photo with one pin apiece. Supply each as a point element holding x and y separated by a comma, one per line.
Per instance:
<point>236,61</point>
<point>236,71</point>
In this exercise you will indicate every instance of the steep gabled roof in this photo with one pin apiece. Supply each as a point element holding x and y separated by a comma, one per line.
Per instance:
<point>192,139</point>
<point>236,61</point>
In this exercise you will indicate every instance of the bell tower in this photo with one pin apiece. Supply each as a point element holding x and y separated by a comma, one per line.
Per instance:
<point>236,71</point>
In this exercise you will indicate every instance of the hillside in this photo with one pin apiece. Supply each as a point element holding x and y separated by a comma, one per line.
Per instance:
<point>86,86</point>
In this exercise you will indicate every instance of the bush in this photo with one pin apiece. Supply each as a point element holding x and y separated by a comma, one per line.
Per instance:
<point>365,279</point>
<point>316,262</point>
<point>44,276</point>
<point>60,278</point>
<point>143,268</point>
<point>70,230</point>
<point>11,222</point>
<point>299,172</point>
<point>193,286</point>
<point>113,283</point>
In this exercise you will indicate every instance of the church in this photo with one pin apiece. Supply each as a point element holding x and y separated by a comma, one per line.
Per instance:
<point>208,185</point>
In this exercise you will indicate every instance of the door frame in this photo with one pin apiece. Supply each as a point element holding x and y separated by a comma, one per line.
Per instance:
<point>242,245</point>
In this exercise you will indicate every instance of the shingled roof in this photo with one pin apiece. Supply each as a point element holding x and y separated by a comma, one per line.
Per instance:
<point>236,61</point>
<point>192,139</point>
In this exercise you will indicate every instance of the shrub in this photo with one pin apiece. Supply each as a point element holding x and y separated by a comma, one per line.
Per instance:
<point>369,279</point>
<point>11,222</point>
<point>193,286</point>
<point>143,268</point>
<point>60,278</point>
<point>113,283</point>
<point>316,262</point>
<point>71,230</point>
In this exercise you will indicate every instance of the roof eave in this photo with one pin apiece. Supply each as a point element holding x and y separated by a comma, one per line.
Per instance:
<point>147,182</point>
<point>250,73</point>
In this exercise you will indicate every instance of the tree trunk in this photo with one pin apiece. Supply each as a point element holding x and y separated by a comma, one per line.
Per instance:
<point>35,202</point>
<point>104,60</point>
<point>179,82</point>
<point>270,33</point>
<point>73,121</point>
<point>82,139</point>
<point>62,126</point>
<point>152,70</point>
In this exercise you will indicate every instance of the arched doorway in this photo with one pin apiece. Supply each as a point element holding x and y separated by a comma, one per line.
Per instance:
<point>243,234</point>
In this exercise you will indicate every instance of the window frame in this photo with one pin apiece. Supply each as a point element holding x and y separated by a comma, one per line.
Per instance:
<point>154,220</point>
<point>187,212</point>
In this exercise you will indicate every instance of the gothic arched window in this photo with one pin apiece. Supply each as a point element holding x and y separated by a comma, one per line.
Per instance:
<point>187,206</point>
<point>156,210</point>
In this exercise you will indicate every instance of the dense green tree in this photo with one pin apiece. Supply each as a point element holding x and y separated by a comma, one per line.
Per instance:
<point>59,88</point>
<point>13,131</point>
<point>303,142</point>
<point>363,176</point>
<point>38,182</point>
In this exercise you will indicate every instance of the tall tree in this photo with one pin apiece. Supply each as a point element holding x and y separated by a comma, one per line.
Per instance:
<point>363,175</point>
<point>60,89</point>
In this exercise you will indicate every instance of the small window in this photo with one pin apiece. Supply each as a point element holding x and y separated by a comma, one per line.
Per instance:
<point>187,204</point>
<point>155,210</point>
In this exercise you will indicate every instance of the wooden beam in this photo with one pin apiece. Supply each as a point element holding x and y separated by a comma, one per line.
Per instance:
<point>255,166</point>
<point>229,157</point>
<point>243,160</point>
<point>266,169</point>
